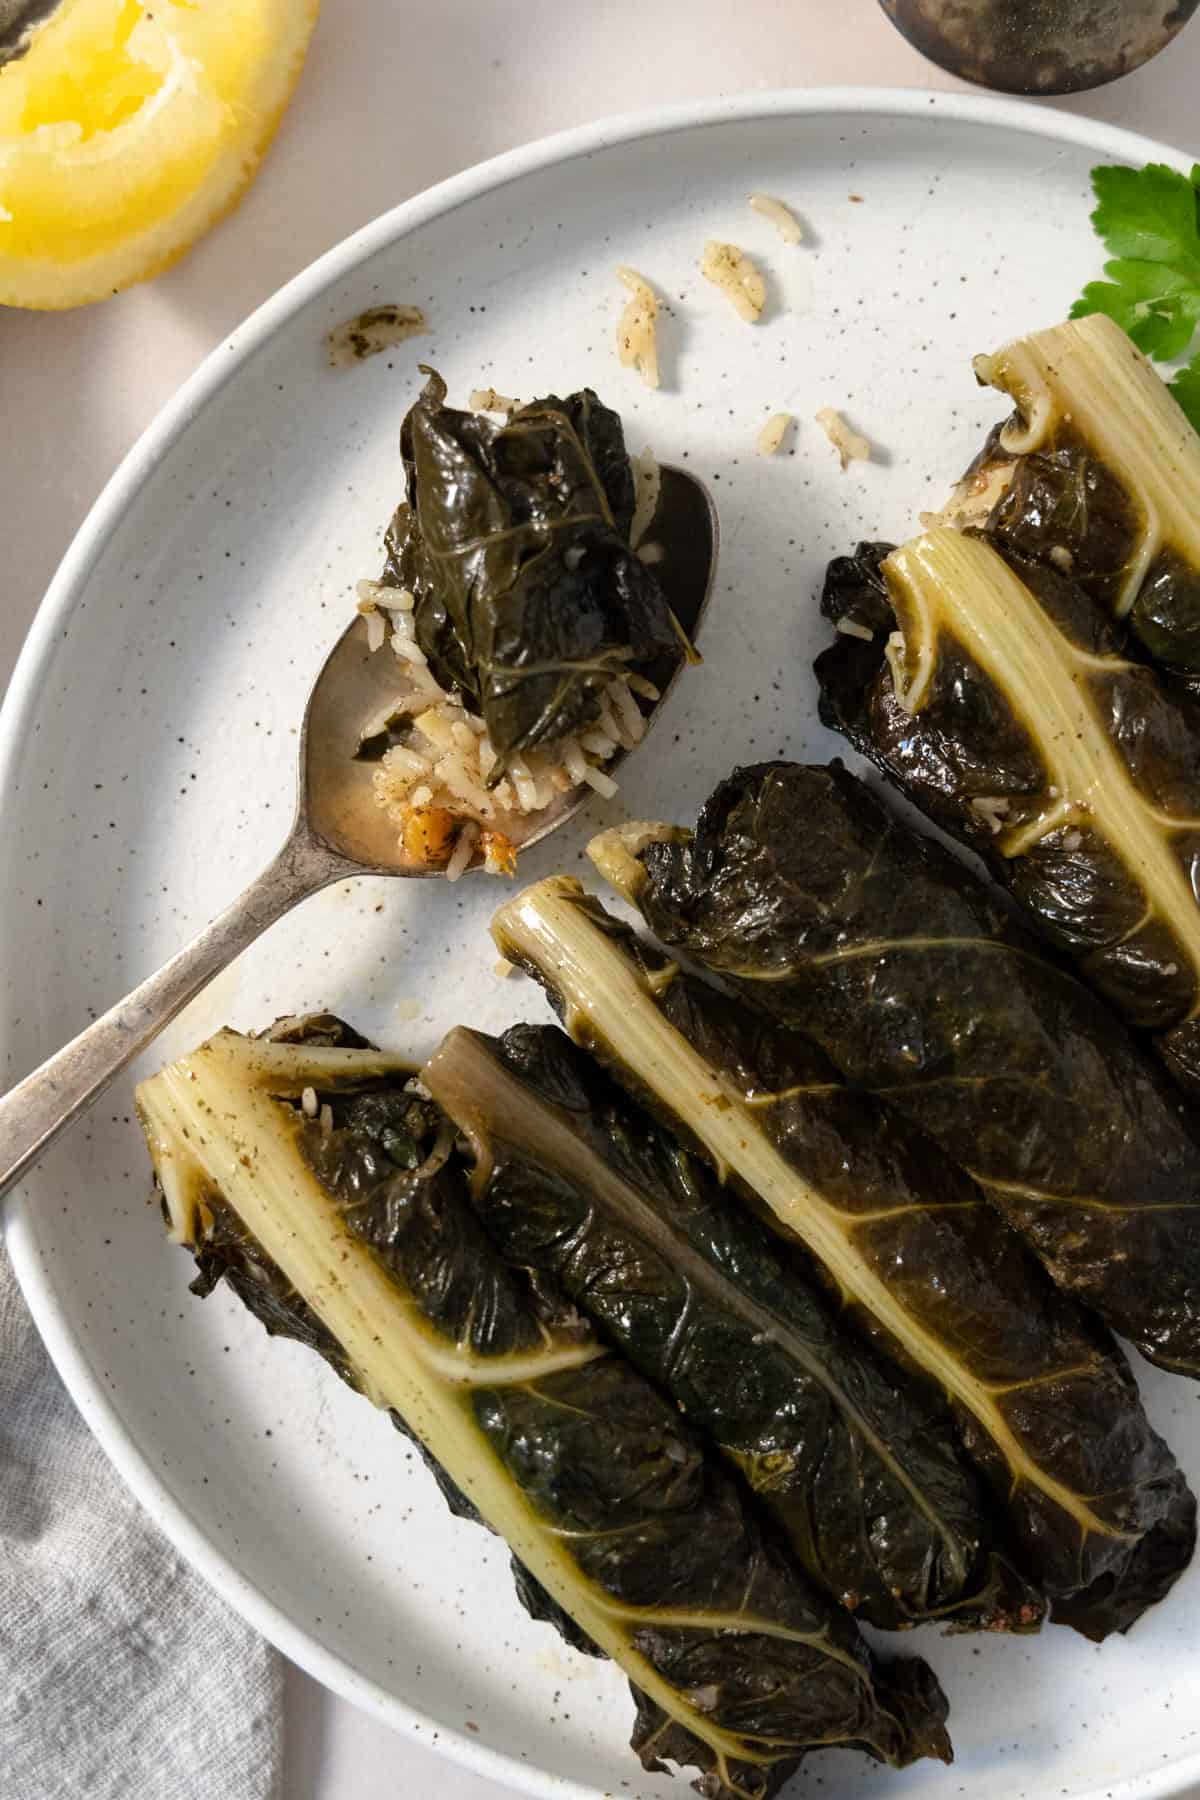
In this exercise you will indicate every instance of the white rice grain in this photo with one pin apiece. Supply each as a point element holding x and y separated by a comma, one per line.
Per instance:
<point>523,782</point>
<point>391,599</point>
<point>731,270</point>
<point>573,761</point>
<point>376,630</point>
<point>603,784</point>
<point>453,773</point>
<point>628,711</point>
<point>852,628</point>
<point>464,850</point>
<point>850,445</point>
<point>771,437</point>
<point>647,478</point>
<point>637,328</point>
<point>400,761</point>
<point>308,1103</point>
<point>488,400</point>
<point>781,216</point>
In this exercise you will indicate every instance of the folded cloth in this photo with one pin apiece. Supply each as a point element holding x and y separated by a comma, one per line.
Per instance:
<point>122,1675</point>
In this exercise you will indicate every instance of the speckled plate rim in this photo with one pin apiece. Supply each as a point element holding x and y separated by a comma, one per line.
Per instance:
<point>27,691</point>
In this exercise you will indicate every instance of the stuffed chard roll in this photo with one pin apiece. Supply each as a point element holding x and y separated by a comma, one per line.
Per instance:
<point>329,1195</point>
<point>514,542</point>
<point>831,915</point>
<point>531,633</point>
<point>1045,1403</point>
<point>993,692</point>
<point>859,1467</point>
<point>1097,473</point>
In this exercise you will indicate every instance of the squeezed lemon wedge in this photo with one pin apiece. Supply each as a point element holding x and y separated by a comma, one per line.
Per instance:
<point>127,128</point>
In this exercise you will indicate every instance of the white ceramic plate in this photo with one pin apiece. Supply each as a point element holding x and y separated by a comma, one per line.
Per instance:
<point>147,772</point>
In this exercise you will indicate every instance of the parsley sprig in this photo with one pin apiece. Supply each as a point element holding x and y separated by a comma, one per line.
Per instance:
<point>1149,220</point>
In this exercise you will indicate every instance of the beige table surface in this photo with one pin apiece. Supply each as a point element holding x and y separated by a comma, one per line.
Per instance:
<point>398,94</point>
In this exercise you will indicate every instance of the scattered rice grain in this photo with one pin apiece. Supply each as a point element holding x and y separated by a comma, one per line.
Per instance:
<point>771,437</point>
<point>731,270</point>
<point>637,329</point>
<point>326,1120</point>
<point>850,445</point>
<point>308,1103</point>
<point>503,968</point>
<point>781,216</point>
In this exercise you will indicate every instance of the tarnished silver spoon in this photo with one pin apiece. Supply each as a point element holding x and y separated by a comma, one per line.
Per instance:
<point>339,831</point>
<point>1040,46</point>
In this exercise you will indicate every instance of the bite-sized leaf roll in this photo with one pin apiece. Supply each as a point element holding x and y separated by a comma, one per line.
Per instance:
<point>514,542</point>
<point>993,691</point>
<point>1045,1402</point>
<point>802,891</point>
<point>1097,473</point>
<point>329,1195</point>
<point>859,1467</point>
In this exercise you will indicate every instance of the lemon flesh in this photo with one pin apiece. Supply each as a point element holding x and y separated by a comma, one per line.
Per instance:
<point>129,127</point>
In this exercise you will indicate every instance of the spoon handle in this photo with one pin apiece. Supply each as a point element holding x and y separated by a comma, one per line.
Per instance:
<point>34,1112</point>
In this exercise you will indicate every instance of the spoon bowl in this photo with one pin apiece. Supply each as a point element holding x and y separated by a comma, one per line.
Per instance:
<point>339,831</point>
<point>337,796</point>
<point>1039,46</point>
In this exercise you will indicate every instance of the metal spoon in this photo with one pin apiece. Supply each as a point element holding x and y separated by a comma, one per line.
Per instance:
<point>1040,46</point>
<point>339,831</point>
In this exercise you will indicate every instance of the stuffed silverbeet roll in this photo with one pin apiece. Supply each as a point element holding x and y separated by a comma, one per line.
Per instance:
<point>1045,1402</point>
<point>1098,474</point>
<point>827,912</point>
<point>995,694</point>
<point>530,633</point>
<point>859,1466</point>
<point>329,1195</point>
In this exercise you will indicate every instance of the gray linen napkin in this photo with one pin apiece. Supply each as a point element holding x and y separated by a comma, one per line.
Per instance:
<point>122,1675</point>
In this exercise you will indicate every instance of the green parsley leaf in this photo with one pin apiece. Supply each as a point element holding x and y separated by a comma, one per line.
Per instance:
<point>1149,214</point>
<point>1150,222</point>
<point>1155,305</point>
<point>1186,389</point>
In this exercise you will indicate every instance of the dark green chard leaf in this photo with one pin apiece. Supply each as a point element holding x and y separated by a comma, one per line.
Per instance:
<point>859,1469</point>
<point>1098,472</point>
<point>1045,1402</point>
<point>1003,708</point>
<point>826,912</point>
<point>625,1533</point>
<point>514,541</point>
